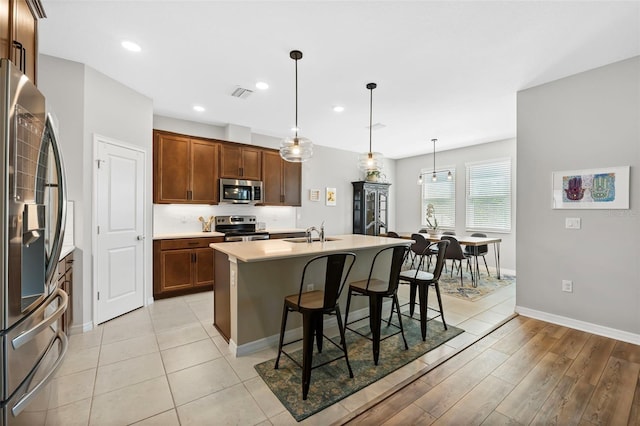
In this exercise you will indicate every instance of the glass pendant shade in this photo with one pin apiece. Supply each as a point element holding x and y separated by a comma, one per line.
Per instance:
<point>296,150</point>
<point>370,161</point>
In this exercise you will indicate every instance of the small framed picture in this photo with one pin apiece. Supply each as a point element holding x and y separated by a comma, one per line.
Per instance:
<point>330,197</point>
<point>314,195</point>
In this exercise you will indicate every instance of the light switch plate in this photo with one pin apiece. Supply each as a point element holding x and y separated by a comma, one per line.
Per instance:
<point>572,223</point>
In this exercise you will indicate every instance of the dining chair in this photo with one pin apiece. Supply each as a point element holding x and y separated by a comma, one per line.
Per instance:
<point>477,251</point>
<point>392,234</point>
<point>422,280</point>
<point>376,289</point>
<point>449,233</point>
<point>455,253</point>
<point>313,305</point>
<point>417,249</point>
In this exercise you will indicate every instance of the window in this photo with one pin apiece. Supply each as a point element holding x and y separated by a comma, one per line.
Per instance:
<point>488,194</point>
<point>442,194</point>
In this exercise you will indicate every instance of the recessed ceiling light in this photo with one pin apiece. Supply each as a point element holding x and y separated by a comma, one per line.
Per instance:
<point>131,46</point>
<point>338,108</point>
<point>198,108</point>
<point>262,85</point>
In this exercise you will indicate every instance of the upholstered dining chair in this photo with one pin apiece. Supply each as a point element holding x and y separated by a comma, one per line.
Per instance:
<point>313,305</point>
<point>455,253</point>
<point>422,280</point>
<point>376,289</point>
<point>477,251</point>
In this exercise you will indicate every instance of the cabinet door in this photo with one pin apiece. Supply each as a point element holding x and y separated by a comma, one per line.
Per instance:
<point>171,168</point>
<point>204,171</point>
<point>292,183</point>
<point>24,32</point>
<point>203,267</point>
<point>370,210</point>
<point>176,270</point>
<point>230,161</point>
<point>382,211</point>
<point>251,163</point>
<point>272,178</point>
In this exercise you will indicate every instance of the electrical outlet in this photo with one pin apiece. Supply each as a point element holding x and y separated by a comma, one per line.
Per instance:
<point>310,287</point>
<point>567,285</point>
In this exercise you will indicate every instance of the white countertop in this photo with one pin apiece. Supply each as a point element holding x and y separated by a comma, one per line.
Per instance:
<point>200,234</point>
<point>261,250</point>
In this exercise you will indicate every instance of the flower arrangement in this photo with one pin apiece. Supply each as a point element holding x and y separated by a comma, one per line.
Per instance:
<point>431,214</point>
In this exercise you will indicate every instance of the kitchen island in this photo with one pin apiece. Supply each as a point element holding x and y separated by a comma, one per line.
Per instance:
<point>253,277</point>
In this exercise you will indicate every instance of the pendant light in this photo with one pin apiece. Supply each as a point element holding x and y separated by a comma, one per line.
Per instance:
<point>370,161</point>
<point>434,176</point>
<point>296,149</point>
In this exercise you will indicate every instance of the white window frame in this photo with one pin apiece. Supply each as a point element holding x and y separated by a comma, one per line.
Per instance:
<point>499,188</point>
<point>446,216</point>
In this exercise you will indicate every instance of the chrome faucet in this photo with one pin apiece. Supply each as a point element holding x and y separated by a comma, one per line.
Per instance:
<point>319,231</point>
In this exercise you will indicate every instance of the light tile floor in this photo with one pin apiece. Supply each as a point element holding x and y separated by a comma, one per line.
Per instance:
<point>165,364</point>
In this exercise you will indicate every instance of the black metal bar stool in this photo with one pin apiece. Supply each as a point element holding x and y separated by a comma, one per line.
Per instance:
<point>376,290</point>
<point>313,305</point>
<point>417,278</point>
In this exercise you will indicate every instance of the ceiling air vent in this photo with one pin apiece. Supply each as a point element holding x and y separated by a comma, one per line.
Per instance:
<point>241,92</point>
<point>377,126</point>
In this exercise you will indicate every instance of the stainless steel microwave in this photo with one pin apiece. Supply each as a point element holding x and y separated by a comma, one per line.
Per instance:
<point>237,191</point>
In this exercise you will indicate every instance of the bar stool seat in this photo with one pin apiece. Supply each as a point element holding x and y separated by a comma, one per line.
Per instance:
<point>313,305</point>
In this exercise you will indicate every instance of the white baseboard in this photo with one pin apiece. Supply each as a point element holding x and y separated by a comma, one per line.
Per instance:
<point>289,335</point>
<point>600,330</point>
<point>81,328</point>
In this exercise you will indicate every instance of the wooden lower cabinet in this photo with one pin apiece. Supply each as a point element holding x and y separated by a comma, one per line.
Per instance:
<point>182,266</point>
<point>65,282</point>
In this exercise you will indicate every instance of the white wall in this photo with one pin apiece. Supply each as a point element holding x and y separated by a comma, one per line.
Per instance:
<point>408,205</point>
<point>87,102</point>
<point>588,120</point>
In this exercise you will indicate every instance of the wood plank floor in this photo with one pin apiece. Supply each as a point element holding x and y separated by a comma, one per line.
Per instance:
<point>525,372</point>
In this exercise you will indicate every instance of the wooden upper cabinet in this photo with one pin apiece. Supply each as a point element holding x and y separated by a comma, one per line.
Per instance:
<point>281,180</point>
<point>19,37</point>
<point>204,172</point>
<point>240,162</point>
<point>185,169</point>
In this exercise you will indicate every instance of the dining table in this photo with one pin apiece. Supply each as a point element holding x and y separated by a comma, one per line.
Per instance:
<point>466,241</point>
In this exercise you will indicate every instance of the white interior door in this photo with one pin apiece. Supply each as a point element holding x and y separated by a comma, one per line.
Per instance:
<point>120,219</point>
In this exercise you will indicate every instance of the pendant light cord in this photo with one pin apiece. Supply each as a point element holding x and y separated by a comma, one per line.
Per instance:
<point>370,117</point>
<point>434,155</point>
<point>296,99</point>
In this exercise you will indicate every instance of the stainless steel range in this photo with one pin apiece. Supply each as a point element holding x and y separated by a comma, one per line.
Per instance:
<point>239,228</point>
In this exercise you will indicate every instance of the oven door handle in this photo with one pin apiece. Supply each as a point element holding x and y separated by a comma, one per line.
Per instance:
<point>26,399</point>
<point>27,335</point>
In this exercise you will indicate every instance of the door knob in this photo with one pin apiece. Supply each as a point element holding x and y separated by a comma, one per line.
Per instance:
<point>140,237</point>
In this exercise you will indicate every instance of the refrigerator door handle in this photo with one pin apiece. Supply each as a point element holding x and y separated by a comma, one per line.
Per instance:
<point>26,399</point>
<point>25,336</point>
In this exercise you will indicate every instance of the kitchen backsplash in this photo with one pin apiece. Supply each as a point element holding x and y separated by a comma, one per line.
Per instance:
<point>176,218</point>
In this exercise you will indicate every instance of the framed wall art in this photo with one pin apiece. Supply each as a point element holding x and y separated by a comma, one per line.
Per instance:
<point>314,195</point>
<point>331,197</point>
<point>604,188</point>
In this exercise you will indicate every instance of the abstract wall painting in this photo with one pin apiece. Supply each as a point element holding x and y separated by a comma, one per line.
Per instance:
<point>606,188</point>
<point>330,199</point>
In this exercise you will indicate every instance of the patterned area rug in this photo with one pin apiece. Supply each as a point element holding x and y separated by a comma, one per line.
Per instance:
<point>451,285</point>
<point>331,383</point>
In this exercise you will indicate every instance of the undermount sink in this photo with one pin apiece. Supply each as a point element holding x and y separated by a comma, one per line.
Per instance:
<point>304,240</point>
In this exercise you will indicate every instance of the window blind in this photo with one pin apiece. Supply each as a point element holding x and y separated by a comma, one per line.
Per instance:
<point>488,196</point>
<point>442,194</point>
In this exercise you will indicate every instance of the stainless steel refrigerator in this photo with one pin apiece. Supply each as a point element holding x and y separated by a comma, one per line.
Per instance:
<point>32,205</point>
